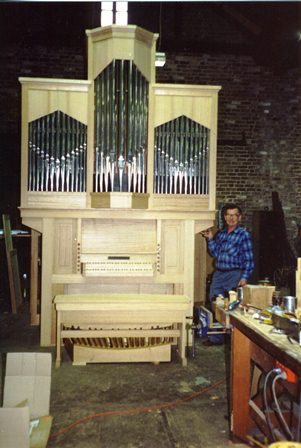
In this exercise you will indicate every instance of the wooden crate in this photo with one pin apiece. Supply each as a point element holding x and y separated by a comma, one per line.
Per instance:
<point>259,296</point>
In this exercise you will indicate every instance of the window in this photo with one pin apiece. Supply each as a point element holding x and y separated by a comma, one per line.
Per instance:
<point>114,12</point>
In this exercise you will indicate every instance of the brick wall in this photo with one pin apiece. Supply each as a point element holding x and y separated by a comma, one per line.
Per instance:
<point>259,130</point>
<point>259,125</point>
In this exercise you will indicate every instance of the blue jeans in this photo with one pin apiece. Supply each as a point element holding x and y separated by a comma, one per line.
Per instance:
<point>223,282</point>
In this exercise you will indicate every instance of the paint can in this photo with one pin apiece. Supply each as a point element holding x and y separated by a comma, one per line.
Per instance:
<point>289,303</point>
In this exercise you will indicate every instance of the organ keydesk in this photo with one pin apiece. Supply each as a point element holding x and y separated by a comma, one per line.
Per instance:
<point>118,176</point>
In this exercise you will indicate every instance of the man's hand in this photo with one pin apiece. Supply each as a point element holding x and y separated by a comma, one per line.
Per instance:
<point>242,282</point>
<point>207,234</point>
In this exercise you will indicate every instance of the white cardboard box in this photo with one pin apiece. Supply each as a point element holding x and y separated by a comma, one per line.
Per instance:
<point>14,427</point>
<point>26,396</point>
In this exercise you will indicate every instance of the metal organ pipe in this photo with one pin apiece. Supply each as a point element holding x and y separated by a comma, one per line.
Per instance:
<point>58,143</point>
<point>120,160</point>
<point>57,154</point>
<point>181,162</point>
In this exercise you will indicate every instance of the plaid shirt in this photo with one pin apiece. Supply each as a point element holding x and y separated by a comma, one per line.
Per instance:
<point>233,250</point>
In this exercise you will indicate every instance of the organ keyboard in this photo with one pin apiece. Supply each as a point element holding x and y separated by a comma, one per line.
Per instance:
<point>94,265</point>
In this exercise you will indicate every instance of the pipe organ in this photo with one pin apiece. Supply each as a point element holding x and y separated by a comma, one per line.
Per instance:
<point>118,176</point>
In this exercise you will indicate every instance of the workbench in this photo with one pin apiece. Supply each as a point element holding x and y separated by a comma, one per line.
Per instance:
<point>255,350</point>
<point>122,327</point>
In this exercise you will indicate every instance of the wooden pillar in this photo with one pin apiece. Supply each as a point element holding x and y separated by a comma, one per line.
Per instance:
<point>34,278</point>
<point>46,286</point>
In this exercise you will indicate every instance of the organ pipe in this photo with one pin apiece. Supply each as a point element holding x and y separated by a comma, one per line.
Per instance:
<point>57,154</point>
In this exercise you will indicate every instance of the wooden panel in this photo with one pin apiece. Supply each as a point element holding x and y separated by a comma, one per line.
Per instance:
<point>108,236</point>
<point>172,247</point>
<point>195,102</point>
<point>188,251</point>
<point>84,355</point>
<point>56,200</point>
<point>126,287</point>
<point>46,284</point>
<point>240,384</point>
<point>44,96</point>
<point>200,271</point>
<point>119,200</point>
<point>34,278</point>
<point>65,246</point>
<point>179,202</point>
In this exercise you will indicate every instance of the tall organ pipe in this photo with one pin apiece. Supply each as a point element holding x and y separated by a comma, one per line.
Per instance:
<point>124,92</point>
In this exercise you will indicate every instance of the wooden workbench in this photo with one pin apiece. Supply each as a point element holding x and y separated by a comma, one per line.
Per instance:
<point>125,316</point>
<point>256,348</point>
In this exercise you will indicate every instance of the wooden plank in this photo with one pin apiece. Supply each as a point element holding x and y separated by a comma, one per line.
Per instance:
<point>84,355</point>
<point>46,286</point>
<point>13,266</point>
<point>222,316</point>
<point>240,384</point>
<point>34,278</point>
<point>127,333</point>
<point>16,277</point>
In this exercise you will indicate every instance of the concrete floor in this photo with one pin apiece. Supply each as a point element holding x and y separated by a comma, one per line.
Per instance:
<point>131,405</point>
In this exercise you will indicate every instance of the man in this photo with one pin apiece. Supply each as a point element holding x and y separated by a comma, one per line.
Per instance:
<point>232,251</point>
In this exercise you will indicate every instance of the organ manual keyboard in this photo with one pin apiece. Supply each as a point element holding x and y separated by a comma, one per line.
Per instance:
<point>118,265</point>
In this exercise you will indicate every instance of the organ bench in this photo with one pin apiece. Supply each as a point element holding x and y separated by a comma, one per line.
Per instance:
<point>121,327</point>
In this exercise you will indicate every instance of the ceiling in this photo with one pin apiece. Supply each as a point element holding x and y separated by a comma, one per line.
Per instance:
<point>269,31</point>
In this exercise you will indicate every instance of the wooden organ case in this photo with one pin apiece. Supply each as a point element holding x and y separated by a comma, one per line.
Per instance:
<point>118,176</point>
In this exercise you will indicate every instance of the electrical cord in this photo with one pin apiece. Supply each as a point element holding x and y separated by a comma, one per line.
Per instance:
<point>267,409</point>
<point>137,410</point>
<point>281,375</point>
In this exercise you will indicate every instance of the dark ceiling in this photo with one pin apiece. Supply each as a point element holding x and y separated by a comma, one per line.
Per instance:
<point>269,31</point>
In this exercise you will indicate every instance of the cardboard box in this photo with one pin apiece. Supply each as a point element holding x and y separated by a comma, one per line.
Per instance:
<point>26,397</point>
<point>257,295</point>
<point>14,427</point>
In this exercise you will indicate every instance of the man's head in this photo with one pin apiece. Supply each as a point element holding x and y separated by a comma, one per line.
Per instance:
<point>232,215</point>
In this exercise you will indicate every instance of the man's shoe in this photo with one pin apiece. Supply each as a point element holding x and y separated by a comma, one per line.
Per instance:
<point>210,343</point>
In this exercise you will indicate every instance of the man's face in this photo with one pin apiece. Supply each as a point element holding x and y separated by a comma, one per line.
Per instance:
<point>232,217</point>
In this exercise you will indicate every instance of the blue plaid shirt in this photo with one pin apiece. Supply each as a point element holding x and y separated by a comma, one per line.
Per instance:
<point>233,250</point>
